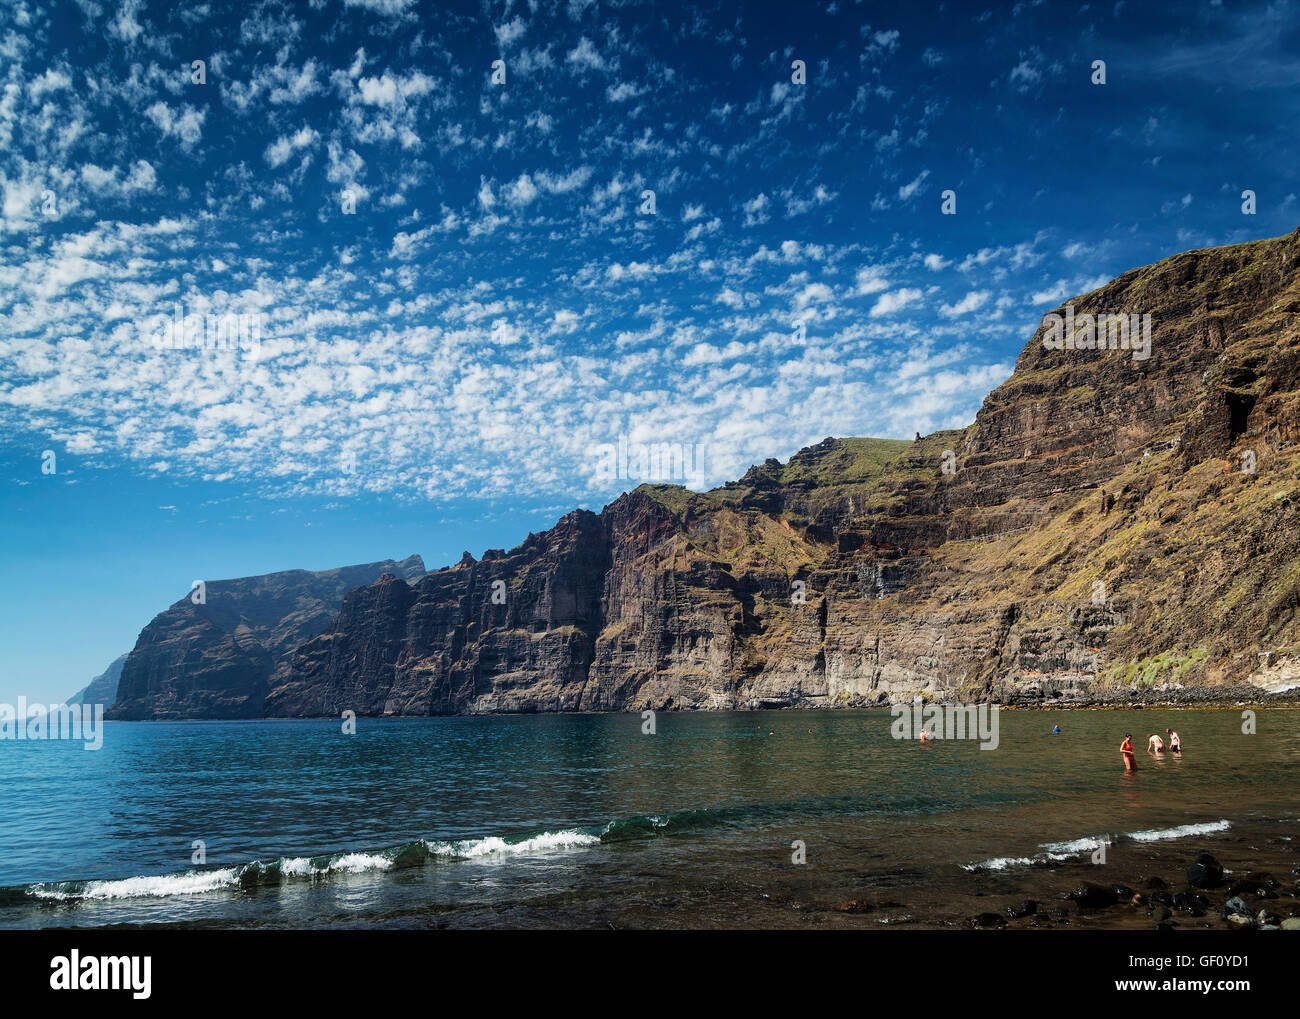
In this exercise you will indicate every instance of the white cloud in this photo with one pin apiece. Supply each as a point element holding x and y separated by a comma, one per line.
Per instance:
<point>908,190</point>
<point>185,124</point>
<point>522,191</point>
<point>895,301</point>
<point>384,7</point>
<point>756,210</point>
<point>585,57</point>
<point>870,280</point>
<point>510,32</point>
<point>279,151</point>
<point>973,301</point>
<point>624,90</point>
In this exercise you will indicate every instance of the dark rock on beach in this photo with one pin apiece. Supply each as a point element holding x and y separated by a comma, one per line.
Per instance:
<point>1236,907</point>
<point>1205,872</point>
<point>1093,896</point>
<point>1261,885</point>
<point>1188,903</point>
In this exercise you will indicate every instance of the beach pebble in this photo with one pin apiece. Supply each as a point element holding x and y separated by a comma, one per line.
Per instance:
<point>1260,885</point>
<point>1206,872</point>
<point>1091,896</point>
<point>1237,907</point>
<point>1194,904</point>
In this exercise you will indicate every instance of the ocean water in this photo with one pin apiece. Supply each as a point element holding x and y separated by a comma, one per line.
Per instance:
<point>584,821</point>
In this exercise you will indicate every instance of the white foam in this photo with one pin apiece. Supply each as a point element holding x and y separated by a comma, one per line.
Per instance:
<point>196,882</point>
<point>358,863</point>
<point>1182,831</point>
<point>1000,863</point>
<point>189,883</point>
<point>1083,845</point>
<point>296,866</point>
<point>1055,852</point>
<point>492,845</point>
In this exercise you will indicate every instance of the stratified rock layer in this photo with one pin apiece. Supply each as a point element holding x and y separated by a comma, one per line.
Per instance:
<point>1108,525</point>
<point>1095,531</point>
<point>217,659</point>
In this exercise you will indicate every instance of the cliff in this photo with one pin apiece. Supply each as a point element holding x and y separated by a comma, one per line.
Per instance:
<point>1111,524</point>
<point>103,688</point>
<point>218,659</point>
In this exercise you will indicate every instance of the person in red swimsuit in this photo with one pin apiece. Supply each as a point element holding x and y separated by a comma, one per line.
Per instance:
<point>1126,751</point>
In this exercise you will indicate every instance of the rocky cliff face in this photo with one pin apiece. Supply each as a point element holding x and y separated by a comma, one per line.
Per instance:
<point>218,659</point>
<point>1093,530</point>
<point>103,688</point>
<point>1109,524</point>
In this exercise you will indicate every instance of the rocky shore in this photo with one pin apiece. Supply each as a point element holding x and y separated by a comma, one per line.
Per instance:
<point>1242,696</point>
<point>1250,882</point>
<point>1204,896</point>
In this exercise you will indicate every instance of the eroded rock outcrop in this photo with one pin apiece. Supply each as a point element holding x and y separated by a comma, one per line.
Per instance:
<point>218,659</point>
<point>1108,524</point>
<point>1093,531</point>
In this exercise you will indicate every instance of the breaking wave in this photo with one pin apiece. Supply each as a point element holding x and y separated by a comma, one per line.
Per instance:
<point>259,873</point>
<point>1056,852</point>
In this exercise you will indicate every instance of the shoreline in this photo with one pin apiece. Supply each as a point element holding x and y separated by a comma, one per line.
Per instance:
<point>1246,878</point>
<point>1130,700</point>
<point>1290,699</point>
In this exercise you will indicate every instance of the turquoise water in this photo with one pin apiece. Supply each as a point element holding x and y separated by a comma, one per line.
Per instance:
<point>584,820</point>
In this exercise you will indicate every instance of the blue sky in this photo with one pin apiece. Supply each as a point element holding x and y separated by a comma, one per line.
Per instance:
<point>438,368</point>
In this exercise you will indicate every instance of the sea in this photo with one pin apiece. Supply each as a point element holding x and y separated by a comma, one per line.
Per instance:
<point>687,820</point>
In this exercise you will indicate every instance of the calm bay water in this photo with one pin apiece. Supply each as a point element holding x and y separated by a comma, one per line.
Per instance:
<point>581,820</point>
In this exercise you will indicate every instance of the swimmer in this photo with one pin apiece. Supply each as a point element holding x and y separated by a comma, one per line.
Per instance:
<point>925,736</point>
<point>1056,730</point>
<point>1155,745</point>
<point>1175,742</point>
<point>1126,750</point>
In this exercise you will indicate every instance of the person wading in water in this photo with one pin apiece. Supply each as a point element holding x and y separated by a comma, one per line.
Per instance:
<point>1126,751</point>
